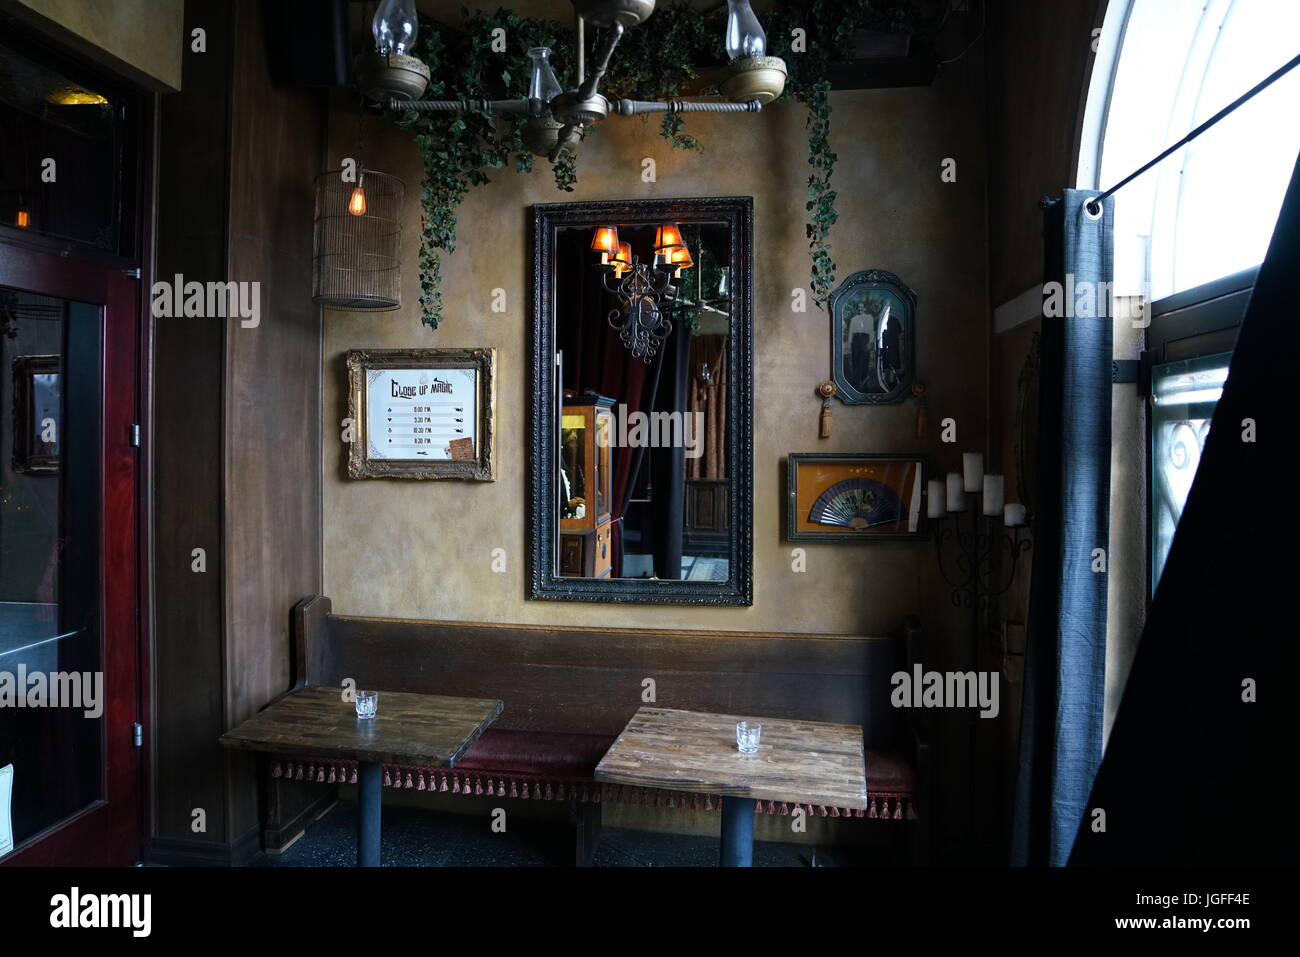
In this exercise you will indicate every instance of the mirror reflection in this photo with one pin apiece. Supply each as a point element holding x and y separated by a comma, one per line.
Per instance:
<point>642,328</point>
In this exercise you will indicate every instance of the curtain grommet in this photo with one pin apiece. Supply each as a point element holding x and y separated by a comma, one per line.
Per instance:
<point>1088,204</point>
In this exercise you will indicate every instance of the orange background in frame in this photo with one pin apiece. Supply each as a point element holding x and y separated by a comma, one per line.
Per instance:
<point>813,478</point>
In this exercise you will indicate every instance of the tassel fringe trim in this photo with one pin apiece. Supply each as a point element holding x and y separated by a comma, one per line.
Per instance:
<point>896,807</point>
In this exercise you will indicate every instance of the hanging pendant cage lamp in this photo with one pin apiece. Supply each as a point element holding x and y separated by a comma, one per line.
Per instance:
<point>358,238</point>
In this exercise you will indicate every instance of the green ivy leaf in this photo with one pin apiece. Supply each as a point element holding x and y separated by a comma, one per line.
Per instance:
<point>649,64</point>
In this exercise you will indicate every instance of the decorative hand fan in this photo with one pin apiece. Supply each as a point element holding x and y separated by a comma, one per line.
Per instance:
<point>857,503</point>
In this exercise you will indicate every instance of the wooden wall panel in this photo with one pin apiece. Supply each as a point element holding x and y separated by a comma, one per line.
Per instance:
<point>237,413</point>
<point>189,767</point>
<point>591,680</point>
<point>272,396</point>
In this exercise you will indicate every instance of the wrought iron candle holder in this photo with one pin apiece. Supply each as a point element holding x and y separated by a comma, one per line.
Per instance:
<point>974,585</point>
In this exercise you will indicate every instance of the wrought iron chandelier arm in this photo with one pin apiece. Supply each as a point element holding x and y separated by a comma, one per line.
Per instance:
<point>627,107</point>
<point>640,280</point>
<point>604,53</point>
<point>660,280</point>
<point>571,132</point>
<point>528,106</point>
<point>611,284</point>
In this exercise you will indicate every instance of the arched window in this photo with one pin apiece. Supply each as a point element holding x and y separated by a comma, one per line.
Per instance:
<point>1163,68</point>
<point>1190,232</point>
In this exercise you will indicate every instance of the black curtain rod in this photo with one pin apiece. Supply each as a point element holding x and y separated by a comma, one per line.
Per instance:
<point>1094,206</point>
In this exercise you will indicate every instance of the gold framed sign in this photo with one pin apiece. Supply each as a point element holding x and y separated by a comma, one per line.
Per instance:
<point>421,413</point>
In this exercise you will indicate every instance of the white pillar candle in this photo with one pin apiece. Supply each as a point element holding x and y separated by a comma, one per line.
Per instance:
<point>956,501</point>
<point>993,495</point>
<point>972,468</point>
<point>1013,515</point>
<point>935,500</point>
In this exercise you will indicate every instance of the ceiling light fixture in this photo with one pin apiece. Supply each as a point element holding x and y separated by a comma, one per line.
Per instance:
<point>559,118</point>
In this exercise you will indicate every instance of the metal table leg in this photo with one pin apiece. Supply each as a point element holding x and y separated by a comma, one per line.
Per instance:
<point>737,832</point>
<point>370,797</point>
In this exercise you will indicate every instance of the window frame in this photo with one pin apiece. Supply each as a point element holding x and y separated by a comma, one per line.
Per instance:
<point>1197,322</point>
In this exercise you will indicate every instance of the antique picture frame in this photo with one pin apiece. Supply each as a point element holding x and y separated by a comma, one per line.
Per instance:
<point>37,383</point>
<point>422,413</point>
<point>852,497</point>
<point>873,321</point>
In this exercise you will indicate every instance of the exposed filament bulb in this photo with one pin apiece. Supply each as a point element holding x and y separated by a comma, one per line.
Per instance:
<point>357,202</point>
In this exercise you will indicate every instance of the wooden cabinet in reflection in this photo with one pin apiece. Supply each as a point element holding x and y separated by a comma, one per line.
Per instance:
<point>708,506</point>
<point>586,538</point>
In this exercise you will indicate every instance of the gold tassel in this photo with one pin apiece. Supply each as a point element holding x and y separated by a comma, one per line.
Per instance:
<point>826,390</point>
<point>922,412</point>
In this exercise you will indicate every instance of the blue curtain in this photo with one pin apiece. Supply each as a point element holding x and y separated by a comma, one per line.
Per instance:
<point>1200,768</point>
<point>1065,664</point>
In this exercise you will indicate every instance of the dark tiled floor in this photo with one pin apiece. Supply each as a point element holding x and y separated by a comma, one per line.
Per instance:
<point>414,837</point>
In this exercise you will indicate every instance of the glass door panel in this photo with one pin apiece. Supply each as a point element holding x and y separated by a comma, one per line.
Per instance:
<point>52,701</point>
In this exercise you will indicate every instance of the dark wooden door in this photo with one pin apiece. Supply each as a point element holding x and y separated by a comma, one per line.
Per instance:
<point>69,519</point>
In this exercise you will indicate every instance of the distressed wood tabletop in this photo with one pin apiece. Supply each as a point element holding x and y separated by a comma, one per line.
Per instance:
<point>418,729</point>
<point>801,762</point>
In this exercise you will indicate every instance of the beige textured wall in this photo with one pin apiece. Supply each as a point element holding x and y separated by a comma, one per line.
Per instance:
<point>145,36</point>
<point>1041,60</point>
<point>423,549</point>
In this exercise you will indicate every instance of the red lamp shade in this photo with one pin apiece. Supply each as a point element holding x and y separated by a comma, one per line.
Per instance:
<point>622,260</point>
<point>679,258</point>
<point>668,236</point>
<point>605,242</point>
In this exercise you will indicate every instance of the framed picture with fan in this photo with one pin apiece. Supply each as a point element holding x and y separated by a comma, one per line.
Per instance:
<point>851,497</point>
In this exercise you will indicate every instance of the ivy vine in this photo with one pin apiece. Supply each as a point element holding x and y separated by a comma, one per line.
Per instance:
<point>662,59</point>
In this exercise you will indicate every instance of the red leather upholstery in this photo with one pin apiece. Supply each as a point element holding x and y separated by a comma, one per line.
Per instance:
<point>888,772</point>
<point>538,754</point>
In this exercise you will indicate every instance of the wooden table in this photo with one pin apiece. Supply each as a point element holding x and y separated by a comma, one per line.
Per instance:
<point>416,729</point>
<point>799,762</point>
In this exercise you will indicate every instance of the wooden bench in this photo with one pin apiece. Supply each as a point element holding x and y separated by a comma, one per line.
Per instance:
<point>569,691</point>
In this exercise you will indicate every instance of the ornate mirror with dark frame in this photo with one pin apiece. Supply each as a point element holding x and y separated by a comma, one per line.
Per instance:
<point>642,474</point>
<point>873,338</point>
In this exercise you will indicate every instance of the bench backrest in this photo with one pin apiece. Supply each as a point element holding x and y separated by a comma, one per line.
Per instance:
<point>582,680</point>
